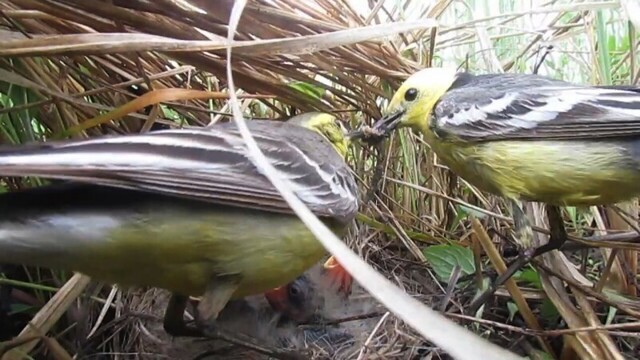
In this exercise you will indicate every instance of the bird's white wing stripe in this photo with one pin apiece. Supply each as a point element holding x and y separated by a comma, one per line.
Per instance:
<point>473,114</point>
<point>604,94</point>
<point>176,161</point>
<point>479,113</point>
<point>302,190</point>
<point>498,105</point>
<point>559,100</point>
<point>326,177</point>
<point>97,160</point>
<point>158,140</point>
<point>550,110</point>
<point>616,110</point>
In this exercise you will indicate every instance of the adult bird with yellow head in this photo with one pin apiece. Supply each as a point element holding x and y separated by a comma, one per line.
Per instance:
<point>526,137</point>
<point>186,210</point>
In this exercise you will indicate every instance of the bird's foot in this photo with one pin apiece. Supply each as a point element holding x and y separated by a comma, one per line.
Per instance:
<point>525,237</point>
<point>522,259</point>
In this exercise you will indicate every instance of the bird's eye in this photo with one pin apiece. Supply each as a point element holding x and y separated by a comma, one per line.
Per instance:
<point>298,291</point>
<point>293,290</point>
<point>411,94</point>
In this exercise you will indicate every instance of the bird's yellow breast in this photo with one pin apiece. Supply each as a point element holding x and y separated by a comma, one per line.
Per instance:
<point>185,252</point>
<point>573,173</point>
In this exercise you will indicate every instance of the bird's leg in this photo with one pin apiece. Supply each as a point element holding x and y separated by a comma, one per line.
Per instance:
<point>558,233</point>
<point>557,238</point>
<point>174,323</point>
<point>215,298</point>
<point>524,238</point>
<point>524,232</point>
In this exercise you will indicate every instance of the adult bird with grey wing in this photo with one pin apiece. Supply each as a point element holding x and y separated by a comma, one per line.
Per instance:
<point>526,137</point>
<point>185,210</point>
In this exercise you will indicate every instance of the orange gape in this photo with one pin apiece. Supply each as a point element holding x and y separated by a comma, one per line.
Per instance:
<point>278,298</point>
<point>285,300</point>
<point>338,275</point>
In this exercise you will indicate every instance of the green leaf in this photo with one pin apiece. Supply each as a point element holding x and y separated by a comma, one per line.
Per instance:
<point>463,212</point>
<point>443,258</point>
<point>611,314</point>
<point>387,88</point>
<point>573,214</point>
<point>461,209</point>
<point>603,51</point>
<point>513,310</point>
<point>309,89</point>
<point>540,355</point>
<point>530,276</point>
<point>546,356</point>
<point>20,308</point>
<point>486,281</point>
<point>549,312</point>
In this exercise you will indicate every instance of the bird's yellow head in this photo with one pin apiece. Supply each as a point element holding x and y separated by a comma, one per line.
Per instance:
<point>412,104</point>
<point>326,125</point>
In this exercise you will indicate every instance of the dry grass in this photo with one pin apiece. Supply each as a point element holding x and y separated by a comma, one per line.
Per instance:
<point>582,303</point>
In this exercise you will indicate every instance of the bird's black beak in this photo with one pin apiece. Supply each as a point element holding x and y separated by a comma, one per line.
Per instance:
<point>356,134</point>
<point>388,123</point>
